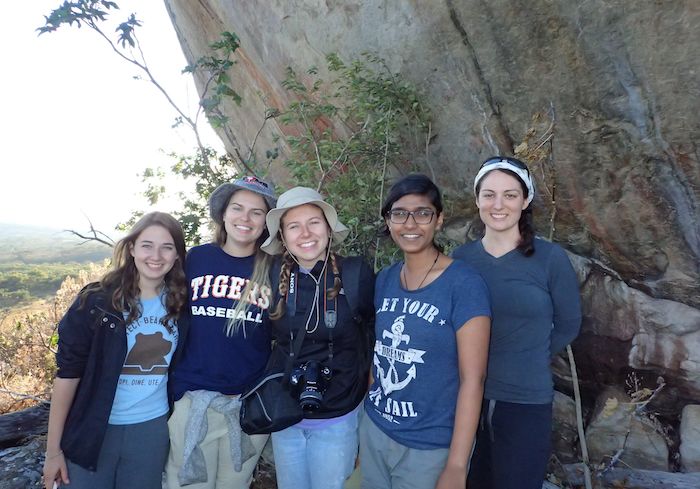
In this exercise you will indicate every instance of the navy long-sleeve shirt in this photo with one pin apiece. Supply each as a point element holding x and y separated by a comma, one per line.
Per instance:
<point>536,312</point>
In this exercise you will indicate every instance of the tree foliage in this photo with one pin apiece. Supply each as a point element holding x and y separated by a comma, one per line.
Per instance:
<point>343,137</point>
<point>365,121</point>
<point>344,134</point>
<point>21,282</point>
<point>213,68</point>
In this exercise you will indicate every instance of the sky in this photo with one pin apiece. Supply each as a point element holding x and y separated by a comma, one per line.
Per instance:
<point>76,128</point>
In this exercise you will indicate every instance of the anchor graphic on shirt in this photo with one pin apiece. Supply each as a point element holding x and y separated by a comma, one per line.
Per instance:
<point>389,379</point>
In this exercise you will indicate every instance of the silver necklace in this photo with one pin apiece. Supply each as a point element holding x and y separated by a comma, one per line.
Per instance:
<point>403,272</point>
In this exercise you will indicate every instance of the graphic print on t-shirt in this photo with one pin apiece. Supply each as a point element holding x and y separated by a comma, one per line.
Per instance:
<point>147,357</point>
<point>397,364</point>
<point>141,392</point>
<point>204,288</point>
<point>416,358</point>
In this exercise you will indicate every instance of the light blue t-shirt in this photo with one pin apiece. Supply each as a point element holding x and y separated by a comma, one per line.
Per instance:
<point>142,388</point>
<point>415,366</point>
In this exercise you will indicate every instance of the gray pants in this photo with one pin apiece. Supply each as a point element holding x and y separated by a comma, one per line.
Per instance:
<point>386,464</point>
<point>132,456</point>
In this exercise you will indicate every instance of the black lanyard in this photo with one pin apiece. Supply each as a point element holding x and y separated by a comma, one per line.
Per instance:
<point>330,314</point>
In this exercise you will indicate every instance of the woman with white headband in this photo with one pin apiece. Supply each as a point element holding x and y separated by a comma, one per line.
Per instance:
<point>536,313</point>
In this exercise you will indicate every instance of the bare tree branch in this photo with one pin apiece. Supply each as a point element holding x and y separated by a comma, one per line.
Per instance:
<point>19,395</point>
<point>94,235</point>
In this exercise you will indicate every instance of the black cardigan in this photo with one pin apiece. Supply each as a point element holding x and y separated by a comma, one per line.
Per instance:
<point>92,347</point>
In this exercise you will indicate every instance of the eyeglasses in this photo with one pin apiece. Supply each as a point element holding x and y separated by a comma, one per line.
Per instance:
<point>512,161</point>
<point>256,180</point>
<point>421,216</point>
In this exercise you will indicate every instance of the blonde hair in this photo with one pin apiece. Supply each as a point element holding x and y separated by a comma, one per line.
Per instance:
<point>256,283</point>
<point>253,292</point>
<point>283,286</point>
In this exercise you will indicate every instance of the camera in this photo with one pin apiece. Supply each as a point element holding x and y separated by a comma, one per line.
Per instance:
<point>311,378</point>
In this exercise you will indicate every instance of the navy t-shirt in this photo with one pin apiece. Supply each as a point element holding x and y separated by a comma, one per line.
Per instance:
<point>213,360</point>
<point>416,368</point>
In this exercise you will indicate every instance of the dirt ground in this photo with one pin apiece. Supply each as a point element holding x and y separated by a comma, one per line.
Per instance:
<point>264,477</point>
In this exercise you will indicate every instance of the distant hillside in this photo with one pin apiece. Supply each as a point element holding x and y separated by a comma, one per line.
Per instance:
<point>30,245</point>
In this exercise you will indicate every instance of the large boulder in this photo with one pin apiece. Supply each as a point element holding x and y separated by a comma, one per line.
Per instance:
<point>627,330</point>
<point>618,73</point>
<point>690,438</point>
<point>617,78</point>
<point>618,432</point>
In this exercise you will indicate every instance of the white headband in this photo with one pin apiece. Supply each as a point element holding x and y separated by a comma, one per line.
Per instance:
<point>523,174</point>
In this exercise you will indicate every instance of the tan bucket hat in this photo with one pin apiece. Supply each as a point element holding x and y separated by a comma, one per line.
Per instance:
<point>295,197</point>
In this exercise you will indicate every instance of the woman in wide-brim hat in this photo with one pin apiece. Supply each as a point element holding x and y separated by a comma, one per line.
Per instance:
<point>228,344</point>
<point>310,299</point>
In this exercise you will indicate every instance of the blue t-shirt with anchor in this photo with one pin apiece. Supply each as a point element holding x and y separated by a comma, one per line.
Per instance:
<point>415,366</point>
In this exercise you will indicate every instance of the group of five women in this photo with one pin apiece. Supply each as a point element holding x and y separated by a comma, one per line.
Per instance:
<point>438,369</point>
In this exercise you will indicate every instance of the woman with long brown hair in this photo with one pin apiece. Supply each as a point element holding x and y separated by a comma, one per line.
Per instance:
<point>116,344</point>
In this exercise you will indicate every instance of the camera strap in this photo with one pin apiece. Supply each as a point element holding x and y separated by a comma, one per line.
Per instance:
<point>291,298</point>
<point>291,310</point>
<point>294,352</point>
<point>330,309</point>
<point>330,318</point>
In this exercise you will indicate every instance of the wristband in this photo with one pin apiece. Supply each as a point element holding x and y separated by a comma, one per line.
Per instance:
<point>46,455</point>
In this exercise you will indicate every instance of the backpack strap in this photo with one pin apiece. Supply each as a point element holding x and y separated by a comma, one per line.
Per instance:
<point>350,277</point>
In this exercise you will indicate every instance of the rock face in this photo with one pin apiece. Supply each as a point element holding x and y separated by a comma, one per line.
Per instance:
<point>620,81</point>
<point>690,438</point>
<point>616,431</point>
<point>564,431</point>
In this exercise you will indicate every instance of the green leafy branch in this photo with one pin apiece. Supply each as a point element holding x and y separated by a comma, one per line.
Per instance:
<point>345,135</point>
<point>214,67</point>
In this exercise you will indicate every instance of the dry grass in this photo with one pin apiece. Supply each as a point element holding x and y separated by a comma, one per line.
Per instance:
<point>28,343</point>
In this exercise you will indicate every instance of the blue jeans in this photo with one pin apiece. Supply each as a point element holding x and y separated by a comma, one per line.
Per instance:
<point>321,458</point>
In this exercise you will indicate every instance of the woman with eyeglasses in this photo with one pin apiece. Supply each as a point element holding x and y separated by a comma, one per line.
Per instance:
<point>536,313</point>
<point>432,333</point>
<point>228,343</point>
